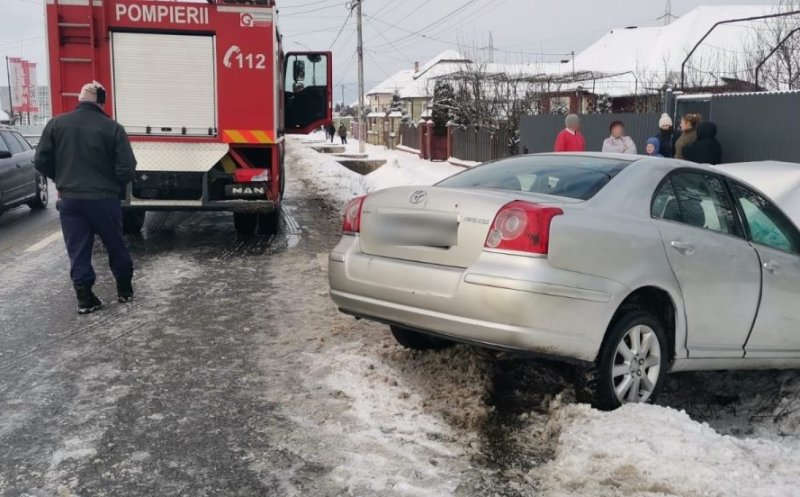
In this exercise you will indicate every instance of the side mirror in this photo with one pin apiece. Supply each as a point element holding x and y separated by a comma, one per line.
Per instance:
<point>5,154</point>
<point>298,70</point>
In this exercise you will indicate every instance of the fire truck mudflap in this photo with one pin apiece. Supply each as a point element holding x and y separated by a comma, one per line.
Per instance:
<point>204,92</point>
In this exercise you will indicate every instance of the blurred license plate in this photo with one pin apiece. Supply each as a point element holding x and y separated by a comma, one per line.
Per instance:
<point>418,231</point>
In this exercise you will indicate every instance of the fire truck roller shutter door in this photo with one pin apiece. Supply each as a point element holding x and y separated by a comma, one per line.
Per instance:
<point>165,84</point>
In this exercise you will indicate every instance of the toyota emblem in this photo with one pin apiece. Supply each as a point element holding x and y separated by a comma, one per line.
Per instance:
<point>418,197</point>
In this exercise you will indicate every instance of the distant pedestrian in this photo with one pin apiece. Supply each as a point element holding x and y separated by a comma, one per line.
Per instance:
<point>706,150</point>
<point>688,136</point>
<point>330,130</point>
<point>618,142</point>
<point>89,158</point>
<point>343,134</point>
<point>666,136</point>
<point>652,148</point>
<point>570,139</point>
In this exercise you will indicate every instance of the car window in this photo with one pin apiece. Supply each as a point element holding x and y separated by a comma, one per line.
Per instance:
<point>3,146</point>
<point>13,144</point>
<point>564,176</point>
<point>767,224</point>
<point>696,199</point>
<point>22,141</point>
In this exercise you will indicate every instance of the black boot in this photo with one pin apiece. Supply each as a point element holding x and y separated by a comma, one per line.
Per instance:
<point>124,291</point>
<point>87,300</point>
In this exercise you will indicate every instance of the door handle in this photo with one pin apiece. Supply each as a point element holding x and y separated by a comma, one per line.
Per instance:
<point>682,247</point>
<point>772,266</point>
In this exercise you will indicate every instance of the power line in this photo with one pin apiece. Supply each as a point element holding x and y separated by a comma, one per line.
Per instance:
<point>452,13</point>
<point>369,20</point>
<point>311,11</point>
<point>304,5</point>
<point>349,15</point>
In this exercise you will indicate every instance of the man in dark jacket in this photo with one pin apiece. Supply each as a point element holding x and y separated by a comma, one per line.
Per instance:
<point>89,157</point>
<point>706,149</point>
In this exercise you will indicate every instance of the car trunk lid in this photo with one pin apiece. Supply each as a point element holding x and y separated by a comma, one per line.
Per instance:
<point>444,226</point>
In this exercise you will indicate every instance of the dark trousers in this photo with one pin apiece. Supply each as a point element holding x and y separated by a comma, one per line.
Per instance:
<point>344,140</point>
<point>81,220</point>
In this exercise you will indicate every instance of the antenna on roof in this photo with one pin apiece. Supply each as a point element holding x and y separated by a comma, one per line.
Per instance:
<point>667,17</point>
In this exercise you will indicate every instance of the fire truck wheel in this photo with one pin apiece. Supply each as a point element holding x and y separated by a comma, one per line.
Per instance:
<point>132,221</point>
<point>245,223</point>
<point>268,224</point>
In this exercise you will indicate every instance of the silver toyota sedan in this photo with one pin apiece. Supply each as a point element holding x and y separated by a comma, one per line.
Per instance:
<point>628,266</point>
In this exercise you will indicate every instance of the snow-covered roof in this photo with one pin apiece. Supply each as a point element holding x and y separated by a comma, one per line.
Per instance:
<point>411,84</point>
<point>625,61</point>
<point>662,49</point>
<point>446,56</point>
<point>395,82</point>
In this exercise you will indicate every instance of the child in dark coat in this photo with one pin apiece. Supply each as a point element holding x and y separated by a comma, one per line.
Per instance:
<point>653,147</point>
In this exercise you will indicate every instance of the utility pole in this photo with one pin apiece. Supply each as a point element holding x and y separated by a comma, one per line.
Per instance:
<point>10,94</point>
<point>362,125</point>
<point>343,98</point>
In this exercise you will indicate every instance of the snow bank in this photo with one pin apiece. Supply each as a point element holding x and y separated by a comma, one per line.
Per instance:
<point>656,451</point>
<point>339,183</point>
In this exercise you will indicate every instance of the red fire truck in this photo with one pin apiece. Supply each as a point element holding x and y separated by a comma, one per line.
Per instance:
<point>204,91</point>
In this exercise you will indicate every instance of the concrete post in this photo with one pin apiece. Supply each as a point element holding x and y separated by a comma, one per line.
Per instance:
<point>450,128</point>
<point>428,138</point>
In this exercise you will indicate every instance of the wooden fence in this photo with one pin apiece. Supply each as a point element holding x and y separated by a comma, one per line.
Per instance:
<point>480,145</point>
<point>409,136</point>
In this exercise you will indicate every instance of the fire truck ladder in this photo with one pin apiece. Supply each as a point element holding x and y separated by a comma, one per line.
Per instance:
<point>76,49</point>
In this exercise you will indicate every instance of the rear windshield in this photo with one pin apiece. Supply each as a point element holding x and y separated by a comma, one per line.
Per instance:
<point>570,176</point>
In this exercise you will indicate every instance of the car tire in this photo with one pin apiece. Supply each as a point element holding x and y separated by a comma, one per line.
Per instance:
<point>132,221</point>
<point>42,197</point>
<point>245,223</point>
<point>631,365</point>
<point>269,223</point>
<point>415,340</point>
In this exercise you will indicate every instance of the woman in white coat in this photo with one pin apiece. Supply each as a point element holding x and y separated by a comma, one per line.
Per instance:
<point>618,142</point>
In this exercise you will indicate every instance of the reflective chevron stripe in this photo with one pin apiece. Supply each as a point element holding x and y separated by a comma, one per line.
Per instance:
<point>247,136</point>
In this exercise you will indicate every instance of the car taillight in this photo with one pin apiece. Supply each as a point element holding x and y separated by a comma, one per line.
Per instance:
<point>352,216</point>
<point>522,227</point>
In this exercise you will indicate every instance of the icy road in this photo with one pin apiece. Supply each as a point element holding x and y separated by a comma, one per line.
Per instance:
<point>233,375</point>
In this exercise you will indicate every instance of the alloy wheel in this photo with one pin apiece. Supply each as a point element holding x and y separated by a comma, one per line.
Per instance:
<point>41,187</point>
<point>637,365</point>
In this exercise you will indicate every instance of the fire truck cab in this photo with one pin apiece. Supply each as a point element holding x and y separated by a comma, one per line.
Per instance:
<point>205,93</point>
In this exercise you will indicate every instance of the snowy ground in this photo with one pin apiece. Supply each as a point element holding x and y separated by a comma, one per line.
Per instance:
<point>234,374</point>
<point>714,434</point>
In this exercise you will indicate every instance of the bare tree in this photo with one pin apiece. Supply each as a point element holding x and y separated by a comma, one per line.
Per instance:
<point>781,71</point>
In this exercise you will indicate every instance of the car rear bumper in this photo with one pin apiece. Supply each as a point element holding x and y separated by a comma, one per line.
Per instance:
<point>501,301</point>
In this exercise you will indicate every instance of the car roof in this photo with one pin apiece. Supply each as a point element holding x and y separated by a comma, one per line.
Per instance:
<point>780,181</point>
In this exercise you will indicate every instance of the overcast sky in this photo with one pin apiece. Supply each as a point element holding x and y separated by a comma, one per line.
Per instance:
<point>399,32</point>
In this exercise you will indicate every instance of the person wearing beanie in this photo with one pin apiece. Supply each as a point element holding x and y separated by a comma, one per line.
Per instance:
<point>652,147</point>
<point>688,136</point>
<point>89,158</point>
<point>666,136</point>
<point>618,142</point>
<point>570,139</point>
